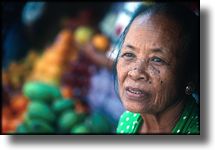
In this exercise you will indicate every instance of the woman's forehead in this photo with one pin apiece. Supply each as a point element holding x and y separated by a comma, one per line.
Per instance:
<point>158,22</point>
<point>154,30</point>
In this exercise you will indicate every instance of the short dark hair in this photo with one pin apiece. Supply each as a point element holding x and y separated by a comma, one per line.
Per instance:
<point>189,23</point>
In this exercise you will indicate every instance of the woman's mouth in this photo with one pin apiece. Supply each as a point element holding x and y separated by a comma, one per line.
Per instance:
<point>135,93</point>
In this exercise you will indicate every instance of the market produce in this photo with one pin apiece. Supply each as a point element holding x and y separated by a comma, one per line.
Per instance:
<point>100,42</point>
<point>50,113</point>
<point>53,106</point>
<point>77,76</point>
<point>83,34</point>
<point>40,110</point>
<point>17,72</point>
<point>6,116</point>
<point>80,129</point>
<point>39,117</point>
<point>67,120</point>
<point>52,63</point>
<point>5,125</point>
<point>39,91</point>
<point>18,103</point>
<point>54,85</point>
<point>13,112</point>
<point>66,91</point>
<point>39,126</point>
<point>63,39</point>
<point>22,129</point>
<point>63,104</point>
<point>57,115</point>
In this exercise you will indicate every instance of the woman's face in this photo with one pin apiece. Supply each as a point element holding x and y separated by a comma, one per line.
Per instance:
<point>148,65</point>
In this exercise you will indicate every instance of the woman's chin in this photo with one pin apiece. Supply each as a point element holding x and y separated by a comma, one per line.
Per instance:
<point>134,107</point>
<point>140,106</point>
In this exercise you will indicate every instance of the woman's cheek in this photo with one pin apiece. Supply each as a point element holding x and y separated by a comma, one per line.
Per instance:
<point>158,80</point>
<point>154,71</point>
<point>155,76</point>
<point>120,73</point>
<point>165,85</point>
<point>122,68</point>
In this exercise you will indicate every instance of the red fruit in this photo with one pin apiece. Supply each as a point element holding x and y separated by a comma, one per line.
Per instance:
<point>19,103</point>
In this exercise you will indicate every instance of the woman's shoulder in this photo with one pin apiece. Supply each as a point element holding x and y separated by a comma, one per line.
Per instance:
<point>189,121</point>
<point>129,123</point>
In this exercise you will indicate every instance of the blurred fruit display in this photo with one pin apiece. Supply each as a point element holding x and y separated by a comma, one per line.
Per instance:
<point>13,113</point>
<point>77,76</point>
<point>50,113</point>
<point>14,77</point>
<point>100,42</point>
<point>51,92</point>
<point>83,34</point>
<point>50,66</point>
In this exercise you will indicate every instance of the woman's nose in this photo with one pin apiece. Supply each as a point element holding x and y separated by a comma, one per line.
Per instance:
<point>139,73</point>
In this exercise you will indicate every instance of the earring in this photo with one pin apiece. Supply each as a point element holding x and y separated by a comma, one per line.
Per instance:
<point>189,89</point>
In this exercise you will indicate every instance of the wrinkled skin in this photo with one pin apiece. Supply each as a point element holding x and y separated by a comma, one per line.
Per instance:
<point>151,63</point>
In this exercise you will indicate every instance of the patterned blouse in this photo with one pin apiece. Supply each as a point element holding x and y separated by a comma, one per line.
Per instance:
<point>188,123</point>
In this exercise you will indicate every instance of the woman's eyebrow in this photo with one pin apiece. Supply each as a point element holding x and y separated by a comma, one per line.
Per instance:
<point>157,50</point>
<point>130,47</point>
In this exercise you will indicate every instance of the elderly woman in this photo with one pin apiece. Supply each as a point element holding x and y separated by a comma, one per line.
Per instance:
<point>157,71</point>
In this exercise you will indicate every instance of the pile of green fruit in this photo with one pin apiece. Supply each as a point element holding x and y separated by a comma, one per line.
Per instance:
<point>50,113</point>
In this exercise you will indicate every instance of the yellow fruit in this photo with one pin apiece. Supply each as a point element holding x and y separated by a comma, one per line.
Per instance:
<point>54,71</point>
<point>53,59</point>
<point>40,66</point>
<point>100,42</point>
<point>83,34</point>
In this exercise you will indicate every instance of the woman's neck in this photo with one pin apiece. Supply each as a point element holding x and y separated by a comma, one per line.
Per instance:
<point>162,122</point>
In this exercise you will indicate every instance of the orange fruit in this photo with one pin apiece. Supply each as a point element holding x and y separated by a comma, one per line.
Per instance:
<point>13,123</point>
<point>64,37</point>
<point>66,92</point>
<point>100,42</point>
<point>19,103</point>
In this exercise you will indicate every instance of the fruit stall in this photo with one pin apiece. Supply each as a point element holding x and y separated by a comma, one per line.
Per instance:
<point>57,87</point>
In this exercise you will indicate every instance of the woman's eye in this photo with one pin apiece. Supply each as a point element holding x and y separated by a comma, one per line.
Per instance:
<point>128,55</point>
<point>157,60</point>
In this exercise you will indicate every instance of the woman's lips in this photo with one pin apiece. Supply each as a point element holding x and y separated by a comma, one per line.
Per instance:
<point>135,93</point>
